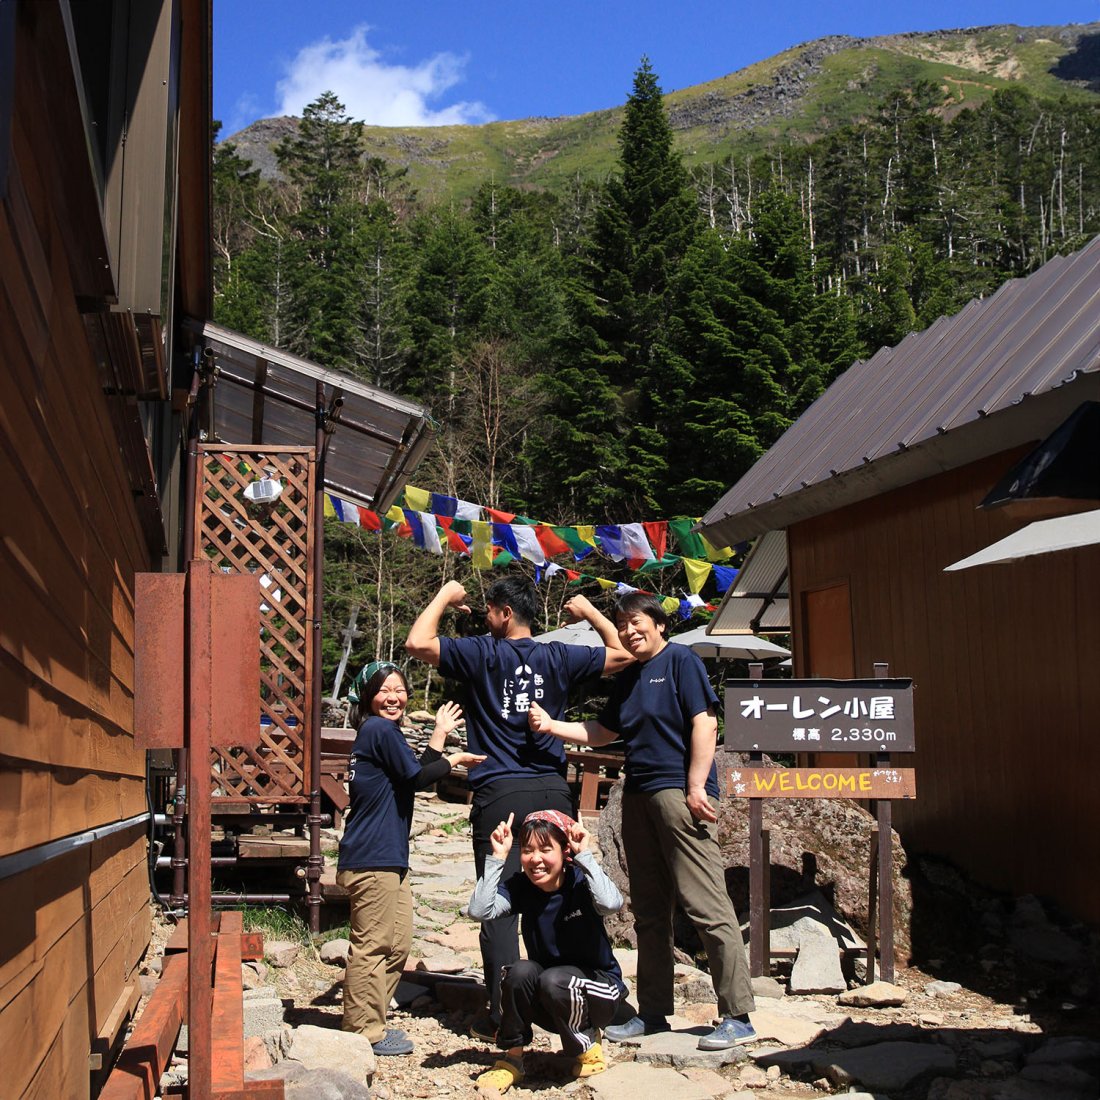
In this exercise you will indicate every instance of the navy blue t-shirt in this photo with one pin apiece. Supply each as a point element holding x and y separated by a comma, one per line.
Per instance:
<point>504,676</point>
<point>651,706</point>
<point>381,785</point>
<point>562,927</point>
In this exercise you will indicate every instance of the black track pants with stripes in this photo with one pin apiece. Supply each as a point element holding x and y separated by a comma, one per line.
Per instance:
<point>567,999</point>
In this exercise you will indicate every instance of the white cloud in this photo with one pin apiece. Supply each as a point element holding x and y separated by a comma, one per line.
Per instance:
<point>378,93</point>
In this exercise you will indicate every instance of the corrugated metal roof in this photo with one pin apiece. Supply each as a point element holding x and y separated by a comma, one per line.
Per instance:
<point>989,378</point>
<point>758,598</point>
<point>266,396</point>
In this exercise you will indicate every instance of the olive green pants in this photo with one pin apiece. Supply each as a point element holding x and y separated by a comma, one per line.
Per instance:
<point>672,857</point>
<point>381,938</point>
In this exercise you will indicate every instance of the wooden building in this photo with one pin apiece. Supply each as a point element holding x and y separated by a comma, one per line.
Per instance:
<point>104,238</point>
<point>105,323</point>
<point>877,488</point>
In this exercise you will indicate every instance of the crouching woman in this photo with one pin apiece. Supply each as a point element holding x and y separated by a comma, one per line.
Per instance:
<point>570,982</point>
<point>374,852</point>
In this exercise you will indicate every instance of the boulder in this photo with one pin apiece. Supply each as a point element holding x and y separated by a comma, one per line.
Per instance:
<point>336,951</point>
<point>326,1084</point>
<point>875,995</point>
<point>821,844</point>
<point>323,1047</point>
<point>281,953</point>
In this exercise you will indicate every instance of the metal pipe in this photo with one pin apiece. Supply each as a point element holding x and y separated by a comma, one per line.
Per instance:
<point>316,861</point>
<point>24,860</point>
<point>259,899</point>
<point>215,861</point>
<point>163,861</point>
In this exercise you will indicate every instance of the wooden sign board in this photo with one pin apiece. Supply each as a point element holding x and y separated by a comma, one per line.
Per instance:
<point>821,782</point>
<point>819,716</point>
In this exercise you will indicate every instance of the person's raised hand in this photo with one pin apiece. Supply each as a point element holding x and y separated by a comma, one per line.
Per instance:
<point>579,838</point>
<point>538,720</point>
<point>447,718</point>
<point>454,592</point>
<point>577,608</point>
<point>699,805</point>
<point>501,838</point>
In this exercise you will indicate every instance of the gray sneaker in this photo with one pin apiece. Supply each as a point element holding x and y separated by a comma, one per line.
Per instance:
<point>636,1028</point>
<point>729,1033</point>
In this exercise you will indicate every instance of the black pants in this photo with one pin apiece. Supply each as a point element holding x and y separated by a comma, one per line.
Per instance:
<point>491,805</point>
<point>566,999</point>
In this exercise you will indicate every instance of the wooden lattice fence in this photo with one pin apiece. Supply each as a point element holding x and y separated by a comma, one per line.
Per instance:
<point>275,542</point>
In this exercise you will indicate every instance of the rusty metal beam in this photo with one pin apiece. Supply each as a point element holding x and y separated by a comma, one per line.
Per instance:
<point>198,721</point>
<point>315,865</point>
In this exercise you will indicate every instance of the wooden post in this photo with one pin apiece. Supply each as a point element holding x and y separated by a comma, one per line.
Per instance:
<point>872,904</point>
<point>885,863</point>
<point>758,947</point>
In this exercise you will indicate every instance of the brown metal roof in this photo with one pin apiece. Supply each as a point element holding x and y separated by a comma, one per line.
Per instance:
<point>266,396</point>
<point>995,375</point>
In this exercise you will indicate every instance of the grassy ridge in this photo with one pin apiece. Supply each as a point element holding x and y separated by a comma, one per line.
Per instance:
<point>795,96</point>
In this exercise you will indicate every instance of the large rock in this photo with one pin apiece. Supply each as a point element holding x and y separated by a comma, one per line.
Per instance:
<point>326,1084</point>
<point>815,843</point>
<point>629,1080</point>
<point>324,1047</point>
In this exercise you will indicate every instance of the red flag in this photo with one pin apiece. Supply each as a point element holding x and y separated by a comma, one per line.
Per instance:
<point>550,543</point>
<point>656,531</point>
<point>369,519</point>
<point>501,517</point>
<point>404,531</point>
<point>454,539</point>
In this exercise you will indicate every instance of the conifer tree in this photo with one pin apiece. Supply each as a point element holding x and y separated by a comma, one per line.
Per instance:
<point>642,230</point>
<point>322,162</point>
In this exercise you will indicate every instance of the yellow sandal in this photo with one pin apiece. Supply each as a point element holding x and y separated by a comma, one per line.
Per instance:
<point>501,1077</point>
<point>590,1062</point>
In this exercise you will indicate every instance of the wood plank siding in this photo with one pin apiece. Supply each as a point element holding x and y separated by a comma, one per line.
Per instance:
<point>73,928</point>
<point>1004,661</point>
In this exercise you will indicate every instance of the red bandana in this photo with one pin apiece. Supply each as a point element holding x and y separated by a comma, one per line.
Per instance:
<point>552,817</point>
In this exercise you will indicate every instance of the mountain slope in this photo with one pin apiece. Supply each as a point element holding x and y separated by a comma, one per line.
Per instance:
<point>796,96</point>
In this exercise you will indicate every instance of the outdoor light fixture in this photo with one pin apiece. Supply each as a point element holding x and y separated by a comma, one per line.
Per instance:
<point>264,491</point>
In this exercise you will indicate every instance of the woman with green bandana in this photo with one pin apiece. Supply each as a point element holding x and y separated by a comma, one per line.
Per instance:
<point>374,852</point>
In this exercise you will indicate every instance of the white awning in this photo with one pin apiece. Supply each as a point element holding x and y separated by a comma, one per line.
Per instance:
<point>1044,537</point>
<point>730,647</point>
<point>572,634</point>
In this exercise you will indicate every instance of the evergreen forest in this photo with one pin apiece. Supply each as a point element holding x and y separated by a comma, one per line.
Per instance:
<point>626,347</point>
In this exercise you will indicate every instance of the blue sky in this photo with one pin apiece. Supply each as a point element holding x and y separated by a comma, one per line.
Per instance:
<point>434,62</point>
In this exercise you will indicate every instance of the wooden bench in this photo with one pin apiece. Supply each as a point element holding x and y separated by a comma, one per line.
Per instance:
<point>596,771</point>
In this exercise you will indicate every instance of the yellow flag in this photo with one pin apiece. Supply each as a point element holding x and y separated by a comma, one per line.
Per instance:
<point>417,500</point>
<point>607,585</point>
<point>330,511</point>
<point>395,514</point>
<point>697,573</point>
<point>587,534</point>
<point>714,553</point>
<point>671,604</point>
<point>481,552</point>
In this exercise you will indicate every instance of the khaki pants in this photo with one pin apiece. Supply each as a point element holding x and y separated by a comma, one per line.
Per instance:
<point>381,938</point>
<point>672,857</point>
